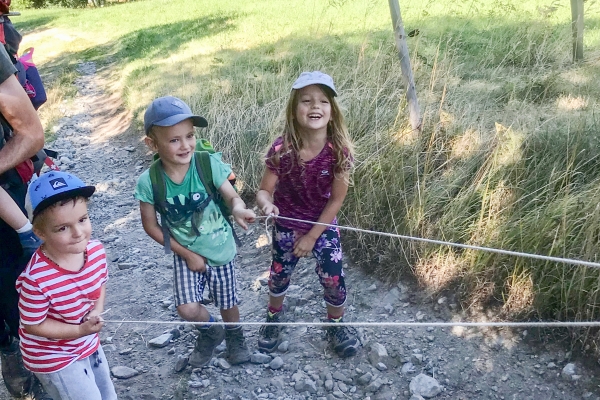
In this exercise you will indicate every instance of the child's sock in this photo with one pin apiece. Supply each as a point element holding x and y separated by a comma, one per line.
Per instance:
<point>25,228</point>
<point>271,311</point>
<point>232,327</point>
<point>211,319</point>
<point>335,319</point>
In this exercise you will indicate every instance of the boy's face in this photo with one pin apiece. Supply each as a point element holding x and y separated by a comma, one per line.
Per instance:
<point>65,228</point>
<point>174,144</point>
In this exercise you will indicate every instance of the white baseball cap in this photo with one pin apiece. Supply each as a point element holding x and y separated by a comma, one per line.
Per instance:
<point>314,78</point>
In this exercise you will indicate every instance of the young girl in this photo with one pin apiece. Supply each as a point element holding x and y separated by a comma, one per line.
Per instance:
<point>307,176</point>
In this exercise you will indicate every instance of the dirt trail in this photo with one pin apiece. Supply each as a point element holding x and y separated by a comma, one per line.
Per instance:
<point>465,363</point>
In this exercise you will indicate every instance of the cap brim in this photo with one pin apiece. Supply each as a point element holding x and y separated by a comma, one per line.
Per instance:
<point>85,191</point>
<point>308,83</point>
<point>175,119</point>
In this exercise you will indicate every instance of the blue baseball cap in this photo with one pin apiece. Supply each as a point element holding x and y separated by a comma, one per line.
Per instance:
<point>168,111</point>
<point>55,186</point>
<point>314,78</point>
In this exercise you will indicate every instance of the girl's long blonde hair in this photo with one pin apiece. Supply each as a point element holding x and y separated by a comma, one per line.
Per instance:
<point>337,135</point>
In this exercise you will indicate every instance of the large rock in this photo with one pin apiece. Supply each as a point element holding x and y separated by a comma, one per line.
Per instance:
<point>425,386</point>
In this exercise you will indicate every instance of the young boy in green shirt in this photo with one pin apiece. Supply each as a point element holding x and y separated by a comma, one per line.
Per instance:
<point>200,236</point>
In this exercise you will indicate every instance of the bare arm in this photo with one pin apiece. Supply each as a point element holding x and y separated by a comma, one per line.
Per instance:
<point>54,329</point>
<point>10,211</point>
<point>148,213</point>
<point>237,206</point>
<point>17,109</point>
<point>264,197</point>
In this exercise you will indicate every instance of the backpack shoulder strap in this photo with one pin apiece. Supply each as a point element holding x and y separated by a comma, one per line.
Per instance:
<point>205,173</point>
<point>159,193</point>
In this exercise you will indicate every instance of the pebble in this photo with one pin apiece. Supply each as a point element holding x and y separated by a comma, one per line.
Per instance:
<point>374,386</point>
<point>222,363</point>
<point>372,288</point>
<point>342,386</point>
<point>123,266</point>
<point>568,371</point>
<point>425,386</point>
<point>181,363</point>
<point>408,368</point>
<point>126,351</point>
<point>122,372</point>
<point>365,379</point>
<point>377,353</point>
<point>283,346</point>
<point>276,363</point>
<point>161,341</point>
<point>260,358</point>
<point>338,376</point>
<point>329,385</point>
<point>381,366</point>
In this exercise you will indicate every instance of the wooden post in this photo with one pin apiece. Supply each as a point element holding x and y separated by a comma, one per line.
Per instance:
<point>577,28</point>
<point>407,74</point>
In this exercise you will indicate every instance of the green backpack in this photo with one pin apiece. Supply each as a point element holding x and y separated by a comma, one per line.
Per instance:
<point>159,189</point>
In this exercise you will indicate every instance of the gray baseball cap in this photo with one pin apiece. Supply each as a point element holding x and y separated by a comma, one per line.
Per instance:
<point>314,78</point>
<point>168,111</point>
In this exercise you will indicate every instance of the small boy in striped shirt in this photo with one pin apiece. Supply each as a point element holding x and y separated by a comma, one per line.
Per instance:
<point>61,294</point>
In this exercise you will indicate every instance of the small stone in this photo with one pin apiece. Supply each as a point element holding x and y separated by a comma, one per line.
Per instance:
<point>283,346</point>
<point>175,333</point>
<point>342,386</point>
<point>551,365</point>
<point>365,379</point>
<point>381,366</point>
<point>338,376</point>
<point>123,266</point>
<point>161,341</point>
<point>260,358</point>
<point>377,353</point>
<point>416,359</point>
<point>416,397</point>
<point>329,385</point>
<point>374,386</point>
<point>195,384</point>
<point>372,288</point>
<point>205,383</point>
<point>171,351</point>
<point>408,368</point>
<point>425,386</point>
<point>181,363</point>
<point>276,363</point>
<point>568,371</point>
<point>122,372</point>
<point>222,363</point>
<point>126,351</point>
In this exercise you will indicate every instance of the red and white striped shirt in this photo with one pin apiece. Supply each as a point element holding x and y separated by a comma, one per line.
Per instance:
<point>49,291</point>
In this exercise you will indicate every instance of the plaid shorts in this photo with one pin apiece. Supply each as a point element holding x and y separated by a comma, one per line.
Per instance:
<point>189,286</point>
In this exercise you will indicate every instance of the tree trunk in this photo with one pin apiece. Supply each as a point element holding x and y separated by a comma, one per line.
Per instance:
<point>407,74</point>
<point>577,28</point>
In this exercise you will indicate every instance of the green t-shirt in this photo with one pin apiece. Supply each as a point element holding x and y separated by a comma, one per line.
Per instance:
<point>204,232</point>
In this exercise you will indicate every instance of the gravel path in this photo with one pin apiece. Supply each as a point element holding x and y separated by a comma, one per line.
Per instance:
<point>392,363</point>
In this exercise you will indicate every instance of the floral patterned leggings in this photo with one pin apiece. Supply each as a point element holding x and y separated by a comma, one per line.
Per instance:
<point>327,251</point>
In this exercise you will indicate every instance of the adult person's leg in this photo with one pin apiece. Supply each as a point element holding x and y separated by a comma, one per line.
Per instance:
<point>18,380</point>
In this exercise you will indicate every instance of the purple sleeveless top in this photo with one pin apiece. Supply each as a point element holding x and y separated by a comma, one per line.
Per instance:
<point>302,191</point>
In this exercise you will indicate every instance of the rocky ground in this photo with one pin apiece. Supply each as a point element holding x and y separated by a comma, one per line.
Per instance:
<point>404,363</point>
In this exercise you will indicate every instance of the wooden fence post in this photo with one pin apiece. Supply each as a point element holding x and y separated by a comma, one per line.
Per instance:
<point>577,28</point>
<point>407,74</point>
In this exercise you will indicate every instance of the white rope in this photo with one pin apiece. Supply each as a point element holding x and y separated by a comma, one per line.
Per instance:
<point>550,324</point>
<point>441,242</point>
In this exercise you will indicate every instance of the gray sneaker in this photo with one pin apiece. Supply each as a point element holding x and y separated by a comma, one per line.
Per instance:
<point>343,340</point>
<point>237,351</point>
<point>270,335</point>
<point>207,340</point>
<point>17,378</point>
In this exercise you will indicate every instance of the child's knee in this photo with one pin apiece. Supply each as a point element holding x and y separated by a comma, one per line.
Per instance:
<point>191,311</point>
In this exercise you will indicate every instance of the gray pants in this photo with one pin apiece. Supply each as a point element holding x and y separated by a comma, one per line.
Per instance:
<point>87,379</point>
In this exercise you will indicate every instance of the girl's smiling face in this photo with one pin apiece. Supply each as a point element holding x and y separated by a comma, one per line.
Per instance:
<point>175,144</point>
<point>313,110</point>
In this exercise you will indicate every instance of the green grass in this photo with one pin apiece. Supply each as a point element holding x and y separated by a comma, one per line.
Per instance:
<point>508,156</point>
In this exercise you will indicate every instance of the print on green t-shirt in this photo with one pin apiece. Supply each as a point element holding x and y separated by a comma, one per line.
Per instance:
<point>202,229</point>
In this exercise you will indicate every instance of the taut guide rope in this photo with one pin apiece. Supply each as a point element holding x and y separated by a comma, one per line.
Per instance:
<point>532,324</point>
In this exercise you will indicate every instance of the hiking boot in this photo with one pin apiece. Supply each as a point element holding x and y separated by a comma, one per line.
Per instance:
<point>207,340</point>
<point>343,341</point>
<point>38,392</point>
<point>16,377</point>
<point>270,335</point>
<point>237,351</point>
